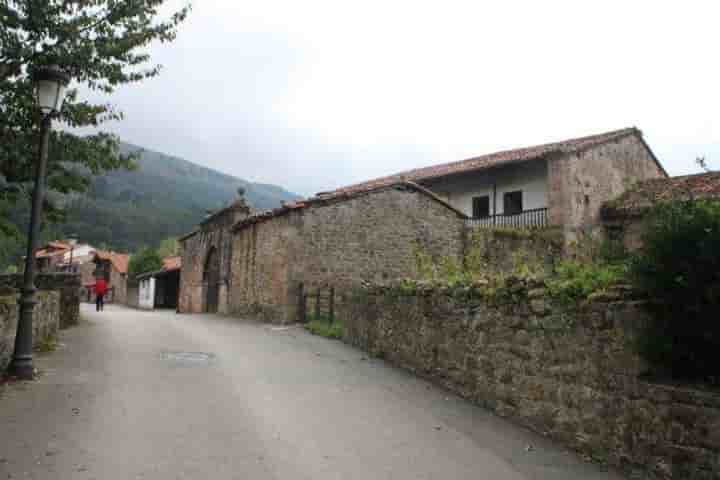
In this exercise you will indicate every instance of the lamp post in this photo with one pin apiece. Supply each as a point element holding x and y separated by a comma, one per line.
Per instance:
<point>50,84</point>
<point>72,238</point>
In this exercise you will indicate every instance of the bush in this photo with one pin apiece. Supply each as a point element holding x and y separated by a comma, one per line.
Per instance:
<point>323,327</point>
<point>680,268</point>
<point>575,281</point>
<point>144,260</point>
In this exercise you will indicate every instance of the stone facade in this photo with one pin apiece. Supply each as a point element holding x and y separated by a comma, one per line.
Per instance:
<point>500,251</point>
<point>580,183</point>
<point>338,242</point>
<point>66,284</point>
<point>46,321</point>
<point>571,374</point>
<point>212,241</point>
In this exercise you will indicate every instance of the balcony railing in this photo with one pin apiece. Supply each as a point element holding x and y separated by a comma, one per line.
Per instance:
<point>528,219</point>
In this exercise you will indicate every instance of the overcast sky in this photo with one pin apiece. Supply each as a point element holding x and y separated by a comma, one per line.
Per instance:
<point>312,95</point>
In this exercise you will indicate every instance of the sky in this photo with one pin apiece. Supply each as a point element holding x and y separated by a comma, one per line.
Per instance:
<point>312,95</point>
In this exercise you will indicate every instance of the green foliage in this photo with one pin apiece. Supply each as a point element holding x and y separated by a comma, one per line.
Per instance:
<point>575,281</point>
<point>101,44</point>
<point>680,268</point>
<point>46,345</point>
<point>164,197</point>
<point>168,248</point>
<point>144,260</point>
<point>323,327</point>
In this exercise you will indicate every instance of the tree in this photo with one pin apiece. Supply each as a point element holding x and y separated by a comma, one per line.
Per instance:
<point>169,248</point>
<point>100,43</point>
<point>144,260</point>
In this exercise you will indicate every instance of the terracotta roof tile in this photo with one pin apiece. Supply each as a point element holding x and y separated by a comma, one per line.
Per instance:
<point>119,260</point>
<point>644,194</point>
<point>494,159</point>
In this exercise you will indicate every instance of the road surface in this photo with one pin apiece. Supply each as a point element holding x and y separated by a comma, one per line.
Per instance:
<point>156,395</point>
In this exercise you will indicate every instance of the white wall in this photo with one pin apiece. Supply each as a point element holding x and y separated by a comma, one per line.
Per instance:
<point>146,293</point>
<point>530,177</point>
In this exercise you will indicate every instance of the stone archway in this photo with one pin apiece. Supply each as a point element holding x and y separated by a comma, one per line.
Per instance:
<point>211,280</point>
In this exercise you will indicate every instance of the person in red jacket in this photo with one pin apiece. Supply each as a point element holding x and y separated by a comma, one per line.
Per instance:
<point>100,290</point>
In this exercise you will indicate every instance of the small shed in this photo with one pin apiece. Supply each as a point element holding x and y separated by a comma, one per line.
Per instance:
<point>160,289</point>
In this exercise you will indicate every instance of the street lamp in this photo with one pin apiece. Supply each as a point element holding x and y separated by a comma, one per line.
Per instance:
<point>72,239</point>
<point>50,84</point>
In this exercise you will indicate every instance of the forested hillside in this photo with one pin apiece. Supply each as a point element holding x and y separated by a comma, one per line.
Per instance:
<point>165,197</point>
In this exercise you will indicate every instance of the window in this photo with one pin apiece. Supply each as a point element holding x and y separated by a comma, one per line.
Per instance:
<point>481,207</point>
<point>512,203</point>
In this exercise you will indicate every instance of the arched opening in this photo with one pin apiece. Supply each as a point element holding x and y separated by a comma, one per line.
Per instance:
<point>211,280</point>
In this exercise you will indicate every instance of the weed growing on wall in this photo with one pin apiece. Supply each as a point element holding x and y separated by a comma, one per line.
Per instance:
<point>679,267</point>
<point>323,327</point>
<point>575,281</point>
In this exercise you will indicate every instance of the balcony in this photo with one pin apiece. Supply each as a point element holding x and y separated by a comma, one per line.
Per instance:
<point>525,220</point>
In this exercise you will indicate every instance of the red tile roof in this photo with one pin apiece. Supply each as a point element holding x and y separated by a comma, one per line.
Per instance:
<point>644,194</point>
<point>494,159</point>
<point>118,260</point>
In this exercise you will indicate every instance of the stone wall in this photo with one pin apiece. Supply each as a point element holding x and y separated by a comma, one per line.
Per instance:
<point>571,374</point>
<point>263,254</point>
<point>213,233</point>
<point>579,184</point>
<point>369,237</point>
<point>118,284</point>
<point>66,284</point>
<point>46,322</point>
<point>502,251</point>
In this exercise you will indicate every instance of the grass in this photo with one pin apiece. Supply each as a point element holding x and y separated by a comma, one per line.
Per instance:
<point>46,345</point>
<point>321,326</point>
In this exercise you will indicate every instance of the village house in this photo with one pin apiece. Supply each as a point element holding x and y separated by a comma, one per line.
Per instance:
<point>238,262</point>
<point>556,184</point>
<point>623,216</point>
<point>111,266</point>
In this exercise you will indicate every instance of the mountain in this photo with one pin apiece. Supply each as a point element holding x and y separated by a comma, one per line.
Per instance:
<point>164,197</point>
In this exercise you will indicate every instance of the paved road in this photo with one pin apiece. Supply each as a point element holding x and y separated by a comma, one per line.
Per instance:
<point>115,402</point>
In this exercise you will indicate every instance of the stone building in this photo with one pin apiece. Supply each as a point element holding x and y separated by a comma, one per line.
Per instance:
<point>623,216</point>
<point>205,258</point>
<point>237,262</point>
<point>113,267</point>
<point>337,240</point>
<point>560,184</point>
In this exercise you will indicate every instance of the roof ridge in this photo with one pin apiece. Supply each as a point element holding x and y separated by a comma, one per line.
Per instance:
<point>513,154</point>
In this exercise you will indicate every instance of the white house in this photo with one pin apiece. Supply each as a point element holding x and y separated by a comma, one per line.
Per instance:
<point>561,184</point>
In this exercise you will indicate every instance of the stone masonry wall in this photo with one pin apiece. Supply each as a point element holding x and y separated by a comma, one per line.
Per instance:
<point>570,374</point>
<point>46,322</point>
<point>263,253</point>
<point>579,184</point>
<point>501,251</point>
<point>341,243</point>
<point>213,233</point>
<point>66,284</point>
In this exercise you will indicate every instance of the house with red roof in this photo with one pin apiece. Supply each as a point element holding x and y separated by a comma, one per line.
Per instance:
<point>260,263</point>
<point>113,267</point>
<point>561,184</point>
<point>623,216</point>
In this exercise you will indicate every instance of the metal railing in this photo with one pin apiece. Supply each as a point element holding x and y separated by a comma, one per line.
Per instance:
<point>527,219</point>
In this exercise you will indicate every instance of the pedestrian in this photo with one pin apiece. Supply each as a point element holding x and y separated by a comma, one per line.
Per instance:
<point>100,290</point>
